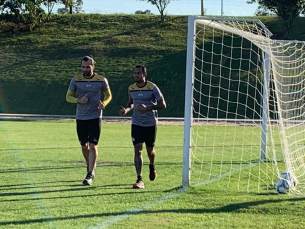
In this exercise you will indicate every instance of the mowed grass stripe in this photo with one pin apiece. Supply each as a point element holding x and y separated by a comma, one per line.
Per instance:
<point>45,190</point>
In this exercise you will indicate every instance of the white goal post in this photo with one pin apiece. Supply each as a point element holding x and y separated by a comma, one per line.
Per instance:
<point>244,119</point>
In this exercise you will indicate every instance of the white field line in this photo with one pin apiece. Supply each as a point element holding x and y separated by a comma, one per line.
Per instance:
<point>131,212</point>
<point>36,197</point>
<point>135,211</point>
<point>163,199</point>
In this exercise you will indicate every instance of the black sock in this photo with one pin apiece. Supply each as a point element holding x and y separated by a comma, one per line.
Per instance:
<point>139,178</point>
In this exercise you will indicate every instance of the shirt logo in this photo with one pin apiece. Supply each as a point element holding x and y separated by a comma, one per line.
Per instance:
<point>140,94</point>
<point>88,85</point>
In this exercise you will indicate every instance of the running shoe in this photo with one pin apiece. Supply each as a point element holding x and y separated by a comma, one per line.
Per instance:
<point>138,184</point>
<point>88,179</point>
<point>152,172</point>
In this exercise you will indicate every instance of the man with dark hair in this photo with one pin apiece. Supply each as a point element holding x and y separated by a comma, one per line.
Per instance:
<point>86,90</point>
<point>145,99</point>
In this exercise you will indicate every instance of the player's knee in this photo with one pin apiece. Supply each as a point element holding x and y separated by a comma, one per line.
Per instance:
<point>92,147</point>
<point>151,153</point>
<point>149,149</point>
<point>85,146</point>
<point>138,152</point>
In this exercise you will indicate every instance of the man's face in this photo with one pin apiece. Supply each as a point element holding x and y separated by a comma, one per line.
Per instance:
<point>138,75</point>
<point>87,68</point>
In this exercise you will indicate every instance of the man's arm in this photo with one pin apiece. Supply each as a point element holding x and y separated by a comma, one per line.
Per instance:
<point>107,99</point>
<point>158,106</point>
<point>71,99</point>
<point>129,107</point>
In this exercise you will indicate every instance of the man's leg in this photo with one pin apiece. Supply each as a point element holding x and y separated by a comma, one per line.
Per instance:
<point>138,159</point>
<point>150,138</point>
<point>92,157</point>
<point>86,151</point>
<point>137,140</point>
<point>82,132</point>
<point>93,153</point>
<point>94,134</point>
<point>138,162</point>
<point>151,155</point>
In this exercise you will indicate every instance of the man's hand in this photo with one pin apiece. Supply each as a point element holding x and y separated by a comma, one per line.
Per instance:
<point>83,100</point>
<point>122,111</point>
<point>142,107</point>
<point>101,106</point>
<point>159,105</point>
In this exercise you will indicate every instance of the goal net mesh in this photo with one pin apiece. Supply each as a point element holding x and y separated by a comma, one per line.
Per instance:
<point>248,106</point>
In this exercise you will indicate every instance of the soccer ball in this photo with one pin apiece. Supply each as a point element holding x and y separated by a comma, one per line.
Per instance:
<point>286,182</point>
<point>283,186</point>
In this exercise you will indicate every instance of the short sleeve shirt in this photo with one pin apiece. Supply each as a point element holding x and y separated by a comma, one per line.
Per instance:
<point>93,89</point>
<point>147,95</point>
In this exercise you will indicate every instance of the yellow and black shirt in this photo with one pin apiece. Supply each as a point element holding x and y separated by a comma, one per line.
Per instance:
<point>147,95</point>
<point>93,89</point>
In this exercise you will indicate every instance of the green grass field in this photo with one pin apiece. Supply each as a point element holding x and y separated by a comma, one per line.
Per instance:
<point>42,169</point>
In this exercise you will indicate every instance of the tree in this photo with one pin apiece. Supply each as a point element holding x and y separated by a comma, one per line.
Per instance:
<point>161,5</point>
<point>71,6</point>
<point>143,12</point>
<point>287,10</point>
<point>24,11</point>
<point>49,4</point>
<point>263,12</point>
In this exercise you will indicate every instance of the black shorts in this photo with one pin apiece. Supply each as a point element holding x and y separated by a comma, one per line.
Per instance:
<point>140,134</point>
<point>88,130</point>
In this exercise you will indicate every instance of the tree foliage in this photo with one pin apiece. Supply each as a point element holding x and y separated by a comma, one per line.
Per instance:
<point>143,12</point>
<point>263,12</point>
<point>24,11</point>
<point>161,5</point>
<point>32,13</point>
<point>49,4</point>
<point>287,10</point>
<point>71,6</point>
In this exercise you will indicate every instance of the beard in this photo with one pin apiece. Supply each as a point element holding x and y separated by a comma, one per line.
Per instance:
<point>139,80</point>
<point>87,73</point>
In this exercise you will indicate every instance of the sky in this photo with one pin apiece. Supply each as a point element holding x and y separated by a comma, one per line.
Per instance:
<point>175,7</point>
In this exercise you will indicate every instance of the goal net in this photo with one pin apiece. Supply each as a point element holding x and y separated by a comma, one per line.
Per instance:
<point>244,106</point>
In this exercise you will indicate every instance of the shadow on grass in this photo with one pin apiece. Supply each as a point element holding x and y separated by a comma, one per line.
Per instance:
<point>38,148</point>
<point>30,185</point>
<point>78,147</point>
<point>111,163</point>
<point>225,209</point>
<point>35,169</point>
<point>82,188</point>
<point>80,164</point>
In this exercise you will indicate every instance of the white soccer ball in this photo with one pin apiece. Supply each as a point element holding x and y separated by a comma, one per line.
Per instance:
<point>286,182</point>
<point>282,186</point>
